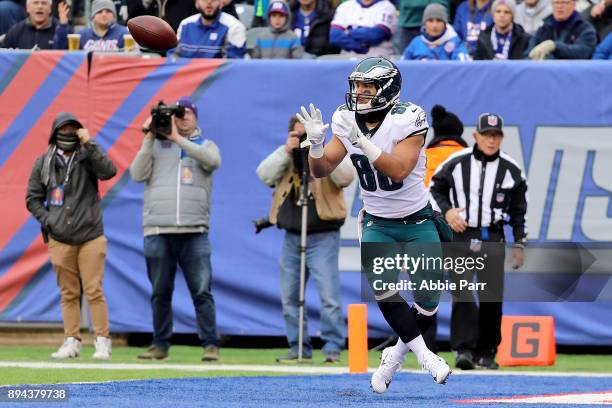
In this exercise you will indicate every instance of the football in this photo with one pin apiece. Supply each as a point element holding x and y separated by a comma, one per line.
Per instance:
<point>152,33</point>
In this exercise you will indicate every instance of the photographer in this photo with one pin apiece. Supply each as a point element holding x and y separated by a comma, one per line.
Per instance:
<point>326,214</point>
<point>176,164</point>
<point>63,197</point>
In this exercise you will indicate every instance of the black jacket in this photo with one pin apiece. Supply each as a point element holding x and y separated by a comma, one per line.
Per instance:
<point>317,42</point>
<point>505,199</point>
<point>518,44</point>
<point>24,35</point>
<point>79,219</point>
<point>576,41</point>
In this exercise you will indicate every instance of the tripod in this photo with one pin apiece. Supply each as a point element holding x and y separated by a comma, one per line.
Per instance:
<point>301,162</point>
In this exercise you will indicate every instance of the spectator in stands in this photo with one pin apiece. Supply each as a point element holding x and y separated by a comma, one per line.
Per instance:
<point>410,21</point>
<point>448,132</point>
<point>504,40</point>
<point>277,40</point>
<point>63,196</point>
<point>604,50</point>
<point>39,30</point>
<point>326,214</point>
<point>473,16</point>
<point>178,167</point>
<point>600,15</point>
<point>438,40</point>
<point>530,14</point>
<point>210,34</point>
<point>364,27</point>
<point>311,22</point>
<point>564,35</point>
<point>173,11</point>
<point>11,12</point>
<point>105,34</point>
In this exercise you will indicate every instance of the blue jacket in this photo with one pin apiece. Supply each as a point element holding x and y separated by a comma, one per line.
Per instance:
<point>90,41</point>
<point>576,41</point>
<point>468,27</point>
<point>225,38</point>
<point>604,50</point>
<point>447,47</point>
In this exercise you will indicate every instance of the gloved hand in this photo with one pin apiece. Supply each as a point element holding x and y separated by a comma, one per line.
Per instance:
<point>357,139</point>
<point>540,51</point>
<point>315,129</point>
<point>353,136</point>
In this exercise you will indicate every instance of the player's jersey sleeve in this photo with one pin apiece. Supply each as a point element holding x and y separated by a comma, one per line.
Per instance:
<point>408,120</point>
<point>342,123</point>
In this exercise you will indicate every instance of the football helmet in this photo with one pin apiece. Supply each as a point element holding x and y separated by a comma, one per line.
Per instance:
<point>381,72</point>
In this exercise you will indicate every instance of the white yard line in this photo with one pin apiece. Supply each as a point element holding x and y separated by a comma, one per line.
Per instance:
<point>293,369</point>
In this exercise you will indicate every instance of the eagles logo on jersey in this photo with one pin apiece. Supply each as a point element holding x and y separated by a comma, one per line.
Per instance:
<point>381,72</point>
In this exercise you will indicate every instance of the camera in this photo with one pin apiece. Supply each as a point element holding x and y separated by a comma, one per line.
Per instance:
<point>262,224</point>
<point>161,118</point>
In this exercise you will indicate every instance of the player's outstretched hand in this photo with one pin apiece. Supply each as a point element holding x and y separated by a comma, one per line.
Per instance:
<point>313,123</point>
<point>353,136</point>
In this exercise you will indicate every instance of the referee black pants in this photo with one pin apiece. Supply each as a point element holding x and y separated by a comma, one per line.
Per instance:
<point>477,328</point>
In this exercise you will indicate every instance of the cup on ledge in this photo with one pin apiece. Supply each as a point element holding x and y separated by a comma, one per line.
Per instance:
<point>74,41</point>
<point>129,45</point>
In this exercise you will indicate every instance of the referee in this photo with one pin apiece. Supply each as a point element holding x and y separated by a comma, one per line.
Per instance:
<point>478,189</point>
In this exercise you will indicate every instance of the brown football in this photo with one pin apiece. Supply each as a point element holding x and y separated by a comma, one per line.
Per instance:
<point>152,33</point>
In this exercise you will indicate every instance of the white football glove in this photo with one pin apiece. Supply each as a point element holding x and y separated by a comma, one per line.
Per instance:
<point>353,136</point>
<point>313,123</point>
<point>357,139</point>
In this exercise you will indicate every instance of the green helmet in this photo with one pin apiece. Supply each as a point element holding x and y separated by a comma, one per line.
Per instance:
<point>381,72</point>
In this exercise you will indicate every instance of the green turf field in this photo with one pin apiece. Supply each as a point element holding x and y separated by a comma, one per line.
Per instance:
<point>191,355</point>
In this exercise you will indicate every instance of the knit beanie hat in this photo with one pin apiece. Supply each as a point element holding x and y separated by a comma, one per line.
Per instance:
<point>99,5</point>
<point>510,3</point>
<point>435,11</point>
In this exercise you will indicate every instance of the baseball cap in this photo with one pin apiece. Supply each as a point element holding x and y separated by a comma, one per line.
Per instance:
<point>490,121</point>
<point>187,102</point>
<point>278,6</point>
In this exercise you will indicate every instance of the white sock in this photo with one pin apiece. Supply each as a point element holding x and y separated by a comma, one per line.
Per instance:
<point>400,350</point>
<point>419,348</point>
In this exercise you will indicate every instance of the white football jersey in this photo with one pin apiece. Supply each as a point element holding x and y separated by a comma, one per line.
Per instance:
<point>351,14</point>
<point>381,196</point>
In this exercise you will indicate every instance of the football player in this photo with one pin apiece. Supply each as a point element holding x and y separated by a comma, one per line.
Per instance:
<point>384,139</point>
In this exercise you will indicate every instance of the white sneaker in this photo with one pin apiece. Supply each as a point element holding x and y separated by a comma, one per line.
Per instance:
<point>70,349</point>
<point>437,367</point>
<point>103,348</point>
<point>383,376</point>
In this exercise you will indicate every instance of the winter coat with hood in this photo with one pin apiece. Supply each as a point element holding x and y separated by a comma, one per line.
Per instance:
<point>532,18</point>
<point>518,44</point>
<point>280,43</point>
<point>447,47</point>
<point>574,38</point>
<point>78,219</point>
<point>317,41</point>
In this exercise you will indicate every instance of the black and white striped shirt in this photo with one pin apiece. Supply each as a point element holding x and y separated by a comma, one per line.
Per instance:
<point>492,189</point>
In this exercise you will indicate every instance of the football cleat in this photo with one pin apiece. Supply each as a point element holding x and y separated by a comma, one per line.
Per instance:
<point>383,376</point>
<point>437,367</point>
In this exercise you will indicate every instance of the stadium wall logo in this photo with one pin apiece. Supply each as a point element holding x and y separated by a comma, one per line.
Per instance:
<point>570,188</point>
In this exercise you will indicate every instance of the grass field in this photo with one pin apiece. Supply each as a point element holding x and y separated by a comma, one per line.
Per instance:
<point>191,356</point>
